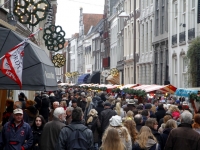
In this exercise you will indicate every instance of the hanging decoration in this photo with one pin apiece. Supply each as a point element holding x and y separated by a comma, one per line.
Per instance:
<point>30,11</point>
<point>54,38</point>
<point>114,72</point>
<point>58,60</point>
<point>68,74</point>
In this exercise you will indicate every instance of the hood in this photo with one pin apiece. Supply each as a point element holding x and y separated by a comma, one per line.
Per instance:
<point>150,143</point>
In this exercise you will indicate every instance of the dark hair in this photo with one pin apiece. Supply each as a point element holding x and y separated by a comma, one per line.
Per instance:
<point>43,122</point>
<point>77,114</point>
<point>160,106</point>
<point>145,113</point>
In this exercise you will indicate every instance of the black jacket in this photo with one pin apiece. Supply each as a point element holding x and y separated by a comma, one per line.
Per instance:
<point>156,134</point>
<point>38,100</point>
<point>106,114</point>
<point>37,132</point>
<point>163,137</point>
<point>65,133</point>
<point>99,109</point>
<point>32,113</point>
<point>160,114</point>
<point>44,111</point>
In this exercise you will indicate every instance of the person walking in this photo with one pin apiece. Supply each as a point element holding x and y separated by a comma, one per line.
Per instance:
<point>16,134</point>
<point>75,135</point>
<point>183,137</point>
<point>37,129</point>
<point>146,140</point>
<point>52,129</point>
<point>111,141</point>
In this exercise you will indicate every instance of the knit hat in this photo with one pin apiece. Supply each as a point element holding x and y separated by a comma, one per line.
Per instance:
<point>116,121</point>
<point>74,101</point>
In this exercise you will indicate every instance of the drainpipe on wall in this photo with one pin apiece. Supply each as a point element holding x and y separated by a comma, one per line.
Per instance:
<point>134,41</point>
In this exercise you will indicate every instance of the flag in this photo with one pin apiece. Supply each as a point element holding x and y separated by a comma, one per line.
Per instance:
<point>12,63</point>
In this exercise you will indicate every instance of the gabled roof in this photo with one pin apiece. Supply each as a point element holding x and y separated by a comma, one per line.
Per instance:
<point>90,20</point>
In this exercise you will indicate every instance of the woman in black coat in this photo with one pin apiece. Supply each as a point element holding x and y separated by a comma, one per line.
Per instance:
<point>170,124</point>
<point>37,128</point>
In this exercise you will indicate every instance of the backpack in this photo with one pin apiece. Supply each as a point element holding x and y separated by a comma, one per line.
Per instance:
<point>77,139</point>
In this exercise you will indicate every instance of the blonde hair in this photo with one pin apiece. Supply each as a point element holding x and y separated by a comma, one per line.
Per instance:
<point>63,103</point>
<point>131,127</point>
<point>144,134</point>
<point>171,124</point>
<point>93,113</point>
<point>118,108</point>
<point>173,108</point>
<point>89,100</point>
<point>153,109</point>
<point>111,140</point>
<point>129,115</point>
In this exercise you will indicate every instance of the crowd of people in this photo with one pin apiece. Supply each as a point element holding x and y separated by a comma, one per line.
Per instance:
<point>76,118</point>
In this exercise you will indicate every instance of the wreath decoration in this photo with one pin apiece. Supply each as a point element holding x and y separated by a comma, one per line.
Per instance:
<point>114,72</point>
<point>30,11</point>
<point>58,60</point>
<point>54,38</point>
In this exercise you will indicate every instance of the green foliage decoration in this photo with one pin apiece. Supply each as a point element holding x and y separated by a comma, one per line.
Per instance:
<point>31,11</point>
<point>54,38</point>
<point>193,55</point>
<point>194,96</point>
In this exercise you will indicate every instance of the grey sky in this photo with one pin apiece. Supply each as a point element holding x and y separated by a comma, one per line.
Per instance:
<point>68,13</point>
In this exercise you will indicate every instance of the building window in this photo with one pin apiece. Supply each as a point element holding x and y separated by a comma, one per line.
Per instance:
<point>147,37</point>
<point>157,4</point>
<point>175,66</point>
<point>193,3</point>
<point>184,65</point>
<point>157,23</point>
<point>184,5</point>
<point>162,21</point>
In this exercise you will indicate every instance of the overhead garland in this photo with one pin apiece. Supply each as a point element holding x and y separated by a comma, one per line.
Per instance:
<point>58,60</point>
<point>54,38</point>
<point>68,74</point>
<point>30,11</point>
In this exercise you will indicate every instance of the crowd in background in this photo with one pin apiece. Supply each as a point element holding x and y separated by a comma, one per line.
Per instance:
<point>114,121</point>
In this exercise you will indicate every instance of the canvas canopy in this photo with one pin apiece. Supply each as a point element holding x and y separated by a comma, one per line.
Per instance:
<point>38,70</point>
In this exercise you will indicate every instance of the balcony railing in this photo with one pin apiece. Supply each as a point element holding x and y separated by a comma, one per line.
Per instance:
<point>182,37</point>
<point>174,39</point>
<point>191,34</point>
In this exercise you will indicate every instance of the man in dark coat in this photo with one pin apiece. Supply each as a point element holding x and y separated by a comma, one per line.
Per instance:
<point>160,112</point>
<point>183,137</point>
<point>100,108</point>
<point>106,114</point>
<point>52,129</point>
<point>76,124</point>
<point>16,134</point>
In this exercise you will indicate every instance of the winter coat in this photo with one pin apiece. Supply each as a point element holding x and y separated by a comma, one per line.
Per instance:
<point>106,114</point>
<point>82,105</point>
<point>150,145</point>
<point>95,100</point>
<point>156,134</point>
<point>99,109</point>
<point>138,127</point>
<point>13,138</point>
<point>50,134</point>
<point>37,132</point>
<point>66,132</point>
<point>6,115</point>
<point>183,138</point>
<point>87,110</point>
<point>127,143</point>
<point>44,111</point>
<point>94,126</point>
<point>160,114</point>
<point>32,113</point>
<point>38,100</point>
<point>163,137</point>
<point>52,99</point>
